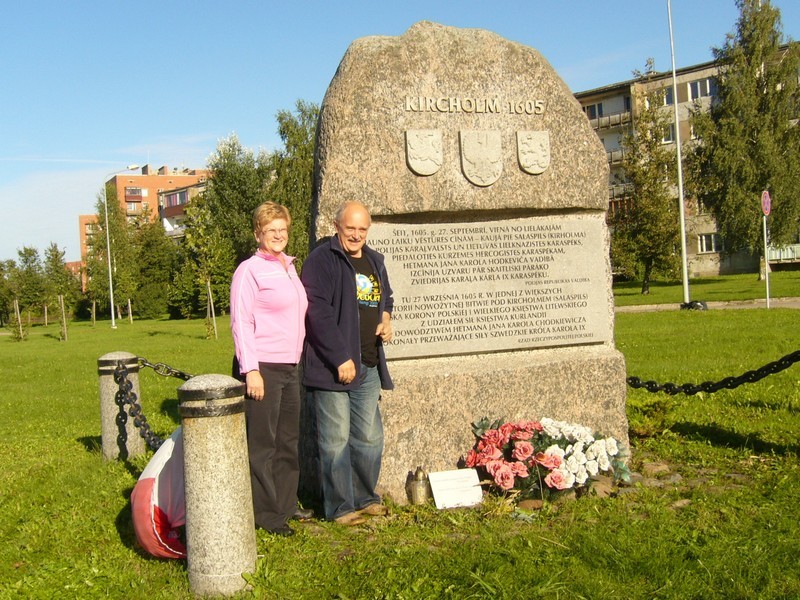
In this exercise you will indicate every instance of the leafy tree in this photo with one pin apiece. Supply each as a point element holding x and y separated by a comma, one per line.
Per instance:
<point>6,292</point>
<point>211,253</point>
<point>649,233</point>
<point>237,184</point>
<point>749,136</point>
<point>58,280</point>
<point>28,278</point>
<point>156,260</point>
<point>293,171</point>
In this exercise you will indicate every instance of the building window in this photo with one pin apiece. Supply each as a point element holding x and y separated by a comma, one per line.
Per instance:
<point>708,242</point>
<point>132,206</point>
<point>133,191</point>
<point>702,87</point>
<point>594,110</point>
<point>669,134</point>
<point>669,99</point>
<point>626,100</point>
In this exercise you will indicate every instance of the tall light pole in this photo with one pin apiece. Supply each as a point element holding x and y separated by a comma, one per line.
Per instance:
<point>684,266</point>
<point>108,241</point>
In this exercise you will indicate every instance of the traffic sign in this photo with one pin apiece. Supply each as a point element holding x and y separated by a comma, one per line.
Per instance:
<point>766,202</point>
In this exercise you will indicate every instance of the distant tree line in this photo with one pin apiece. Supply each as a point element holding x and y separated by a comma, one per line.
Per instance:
<point>154,275</point>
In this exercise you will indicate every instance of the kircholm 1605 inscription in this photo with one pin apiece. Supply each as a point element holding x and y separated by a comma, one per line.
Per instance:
<point>495,285</point>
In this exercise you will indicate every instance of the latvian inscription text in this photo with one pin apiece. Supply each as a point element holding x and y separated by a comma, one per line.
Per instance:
<point>499,285</point>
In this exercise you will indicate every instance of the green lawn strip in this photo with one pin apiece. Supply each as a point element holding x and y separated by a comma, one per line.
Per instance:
<point>726,528</point>
<point>783,284</point>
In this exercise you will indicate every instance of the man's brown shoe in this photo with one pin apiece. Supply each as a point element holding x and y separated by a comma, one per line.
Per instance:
<point>350,519</point>
<point>375,510</point>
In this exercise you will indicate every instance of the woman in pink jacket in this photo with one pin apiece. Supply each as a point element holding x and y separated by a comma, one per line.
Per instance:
<point>268,308</point>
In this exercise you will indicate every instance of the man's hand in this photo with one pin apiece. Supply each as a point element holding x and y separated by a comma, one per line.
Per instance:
<point>255,385</point>
<point>347,372</point>
<point>384,330</point>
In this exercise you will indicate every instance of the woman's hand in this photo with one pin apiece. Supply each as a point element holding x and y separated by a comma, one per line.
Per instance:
<point>255,385</point>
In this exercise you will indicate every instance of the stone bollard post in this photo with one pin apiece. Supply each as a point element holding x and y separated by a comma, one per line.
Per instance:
<point>220,528</point>
<point>120,437</point>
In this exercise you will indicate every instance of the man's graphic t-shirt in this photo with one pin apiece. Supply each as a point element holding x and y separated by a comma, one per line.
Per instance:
<point>368,294</point>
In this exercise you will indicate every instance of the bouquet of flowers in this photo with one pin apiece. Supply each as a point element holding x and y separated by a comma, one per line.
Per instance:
<point>542,458</point>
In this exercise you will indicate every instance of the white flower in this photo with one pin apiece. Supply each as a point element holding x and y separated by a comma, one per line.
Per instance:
<point>556,450</point>
<point>591,467</point>
<point>572,464</point>
<point>581,476</point>
<point>584,434</point>
<point>611,446</point>
<point>551,428</point>
<point>569,479</point>
<point>603,463</point>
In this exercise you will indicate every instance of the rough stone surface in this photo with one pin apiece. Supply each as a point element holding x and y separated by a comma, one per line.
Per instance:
<point>130,444</point>
<point>220,529</point>
<point>362,135</point>
<point>392,96</point>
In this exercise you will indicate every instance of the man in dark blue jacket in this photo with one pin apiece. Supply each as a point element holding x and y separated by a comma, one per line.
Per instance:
<point>348,319</point>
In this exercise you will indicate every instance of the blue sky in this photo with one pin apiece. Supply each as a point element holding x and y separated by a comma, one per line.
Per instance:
<point>88,87</point>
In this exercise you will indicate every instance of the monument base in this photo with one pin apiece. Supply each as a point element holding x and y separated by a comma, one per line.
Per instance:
<point>427,417</point>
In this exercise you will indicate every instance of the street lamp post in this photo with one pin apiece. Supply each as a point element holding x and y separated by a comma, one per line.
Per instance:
<point>108,242</point>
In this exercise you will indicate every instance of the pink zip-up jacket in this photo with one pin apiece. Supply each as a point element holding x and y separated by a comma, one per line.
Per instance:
<point>268,310</point>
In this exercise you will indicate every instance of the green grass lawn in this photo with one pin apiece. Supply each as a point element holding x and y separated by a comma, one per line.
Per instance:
<point>726,528</point>
<point>782,284</point>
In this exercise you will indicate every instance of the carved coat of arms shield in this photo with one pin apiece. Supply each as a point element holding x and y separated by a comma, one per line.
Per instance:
<point>533,151</point>
<point>424,150</point>
<point>481,156</point>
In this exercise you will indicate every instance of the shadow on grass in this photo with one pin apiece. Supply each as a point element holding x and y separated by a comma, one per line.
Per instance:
<point>172,333</point>
<point>729,439</point>
<point>169,406</point>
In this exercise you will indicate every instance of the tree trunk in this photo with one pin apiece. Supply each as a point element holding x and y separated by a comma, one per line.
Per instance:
<point>45,315</point>
<point>130,312</point>
<point>211,307</point>
<point>63,318</point>
<point>648,270</point>
<point>94,308</point>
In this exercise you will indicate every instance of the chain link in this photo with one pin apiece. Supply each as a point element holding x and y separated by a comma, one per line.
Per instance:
<point>164,369</point>
<point>125,397</point>
<point>727,383</point>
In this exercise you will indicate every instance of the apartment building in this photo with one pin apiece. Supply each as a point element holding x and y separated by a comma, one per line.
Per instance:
<point>611,111</point>
<point>172,206</point>
<point>139,194</point>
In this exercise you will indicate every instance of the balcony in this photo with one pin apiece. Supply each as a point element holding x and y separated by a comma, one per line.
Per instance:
<point>787,254</point>
<point>609,121</point>
<point>615,157</point>
<point>620,190</point>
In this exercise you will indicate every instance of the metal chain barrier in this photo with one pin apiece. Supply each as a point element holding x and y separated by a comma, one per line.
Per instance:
<point>126,398</point>
<point>728,383</point>
<point>163,369</point>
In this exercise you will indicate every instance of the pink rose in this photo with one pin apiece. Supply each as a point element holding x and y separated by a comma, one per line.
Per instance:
<point>495,437</point>
<point>493,465</point>
<point>519,469</point>
<point>522,450</point>
<point>472,458</point>
<point>504,477</point>
<point>507,429</point>
<point>556,479</point>
<point>521,434</point>
<point>488,453</point>
<point>548,461</point>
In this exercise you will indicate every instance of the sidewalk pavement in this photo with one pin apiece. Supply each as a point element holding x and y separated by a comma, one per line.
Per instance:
<point>760,303</point>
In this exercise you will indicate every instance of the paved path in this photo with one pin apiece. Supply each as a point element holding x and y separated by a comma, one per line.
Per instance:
<point>761,303</point>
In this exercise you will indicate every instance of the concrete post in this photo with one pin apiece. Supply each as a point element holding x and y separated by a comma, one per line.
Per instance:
<point>120,437</point>
<point>220,528</point>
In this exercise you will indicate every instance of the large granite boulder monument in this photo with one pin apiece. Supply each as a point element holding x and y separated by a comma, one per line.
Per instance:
<point>488,192</point>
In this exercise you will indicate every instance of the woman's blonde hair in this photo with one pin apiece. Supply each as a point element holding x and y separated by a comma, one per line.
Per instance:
<point>268,212</point>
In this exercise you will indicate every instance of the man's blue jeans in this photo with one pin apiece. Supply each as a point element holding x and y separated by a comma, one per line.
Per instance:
<point>350,444</point>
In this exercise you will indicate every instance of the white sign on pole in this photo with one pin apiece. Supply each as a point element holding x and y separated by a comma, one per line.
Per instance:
<point>766,203</point>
